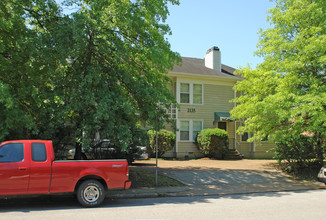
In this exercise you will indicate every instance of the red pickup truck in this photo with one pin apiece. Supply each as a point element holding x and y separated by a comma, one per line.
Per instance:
<point>28,167</point>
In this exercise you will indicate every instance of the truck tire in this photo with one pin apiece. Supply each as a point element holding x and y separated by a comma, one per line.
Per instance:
<point>90,193</point>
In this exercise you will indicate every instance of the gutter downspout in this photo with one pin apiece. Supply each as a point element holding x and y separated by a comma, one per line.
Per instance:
<point>253,148</point>
<point>177,133</point>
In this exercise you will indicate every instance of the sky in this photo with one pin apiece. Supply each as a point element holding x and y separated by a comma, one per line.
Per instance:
<point>231,25</point>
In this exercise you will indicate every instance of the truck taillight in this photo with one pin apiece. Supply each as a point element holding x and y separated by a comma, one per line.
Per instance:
<point>127,171</point>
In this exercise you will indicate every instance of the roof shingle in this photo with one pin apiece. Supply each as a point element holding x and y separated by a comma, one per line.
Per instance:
<point>197,66</point>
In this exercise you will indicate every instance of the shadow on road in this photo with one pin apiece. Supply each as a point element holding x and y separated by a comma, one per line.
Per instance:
<point>38,203</point>
<point>65,202</point>
<point>194,199</point>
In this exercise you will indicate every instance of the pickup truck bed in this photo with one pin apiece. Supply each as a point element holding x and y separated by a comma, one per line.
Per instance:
<point>67,172</point>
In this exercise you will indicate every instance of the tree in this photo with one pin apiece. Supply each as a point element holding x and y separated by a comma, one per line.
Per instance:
<point>286,94</point>
<point>27,61</point>
<point>106,68</point>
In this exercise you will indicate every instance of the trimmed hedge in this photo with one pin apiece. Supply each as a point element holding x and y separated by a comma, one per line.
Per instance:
<point>166,141</point>
<point>213,143</point>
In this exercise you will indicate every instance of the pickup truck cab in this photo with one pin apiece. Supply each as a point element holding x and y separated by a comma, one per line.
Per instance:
<point>29,167</point>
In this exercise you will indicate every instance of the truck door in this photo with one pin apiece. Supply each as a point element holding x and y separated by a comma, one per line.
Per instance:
<point>14,172</point>
<point>40,174</point>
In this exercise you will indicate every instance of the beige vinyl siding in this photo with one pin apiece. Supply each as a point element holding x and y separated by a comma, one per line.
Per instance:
<point>171,86</point>
<point>188,149</point>
<point>215,99</point>
<point>263,150</point>
<point>245,148</point>
<point>217,94</point>
<point>257,150</point>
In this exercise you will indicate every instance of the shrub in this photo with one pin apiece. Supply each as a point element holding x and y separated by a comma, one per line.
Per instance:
<point>299,152</point>
<point>166,141</point>
<point>213,143</point>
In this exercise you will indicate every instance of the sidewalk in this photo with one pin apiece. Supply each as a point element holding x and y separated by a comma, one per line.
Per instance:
<point>213,178</point>
<point>214,190</point>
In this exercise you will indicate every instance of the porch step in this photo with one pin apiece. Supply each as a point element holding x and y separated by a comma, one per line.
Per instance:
<point>233,154</point>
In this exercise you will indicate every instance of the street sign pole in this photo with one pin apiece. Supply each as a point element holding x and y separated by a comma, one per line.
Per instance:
<point>156,153</point>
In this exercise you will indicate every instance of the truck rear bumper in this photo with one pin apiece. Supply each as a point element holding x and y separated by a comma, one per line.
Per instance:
<point>127,184</point>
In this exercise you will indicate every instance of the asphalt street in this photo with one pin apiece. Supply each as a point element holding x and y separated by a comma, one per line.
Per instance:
<point>274,205</point>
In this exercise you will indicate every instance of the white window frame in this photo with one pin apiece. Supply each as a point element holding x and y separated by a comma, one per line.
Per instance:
<point>172,111</point>
<point>191,129</point>
<point>191,92</point>
<point>182,130</point>
<point>186,93</point>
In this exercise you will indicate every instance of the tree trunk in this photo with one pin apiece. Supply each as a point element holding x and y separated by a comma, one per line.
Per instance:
<point>78,152</point>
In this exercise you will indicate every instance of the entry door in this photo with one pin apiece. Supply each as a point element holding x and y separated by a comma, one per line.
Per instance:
<point>222,125</point>
<point>14,172</point>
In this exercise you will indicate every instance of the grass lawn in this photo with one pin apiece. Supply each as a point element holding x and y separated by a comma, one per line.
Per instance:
<point>141,179</point>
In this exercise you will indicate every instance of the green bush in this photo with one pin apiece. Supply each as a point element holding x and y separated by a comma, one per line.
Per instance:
<point>213,143</point>
<point>299,152</point>
<point>166,141</point>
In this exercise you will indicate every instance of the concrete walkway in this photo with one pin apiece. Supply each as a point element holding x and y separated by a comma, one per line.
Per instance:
<point>216,181</point>
<point>204,177</point>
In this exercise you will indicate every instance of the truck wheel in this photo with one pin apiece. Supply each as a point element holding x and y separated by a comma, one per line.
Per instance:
<point>90,193</point>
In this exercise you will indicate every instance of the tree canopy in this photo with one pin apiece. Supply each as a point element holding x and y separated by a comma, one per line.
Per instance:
<point>69,74</point>
<point>285,96</point>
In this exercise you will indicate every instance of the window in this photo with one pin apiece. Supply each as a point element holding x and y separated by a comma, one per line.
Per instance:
<point>245,137</point>
<point>189,129</point>
<point>172,111</point>
<point>191,93</point>
<point>184,93</point>
<point>184,130</point>
<point>197,94</point>
<point>13,152</point>
<point>265,139</point>
<point>38,152</point>
<point>197,127</point>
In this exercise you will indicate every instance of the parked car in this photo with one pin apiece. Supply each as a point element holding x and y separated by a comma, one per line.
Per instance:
<point>29,167</point>
<point>71,154</point>
<point>104,149</point>
<point>322,175</point>
<point>143,155</point>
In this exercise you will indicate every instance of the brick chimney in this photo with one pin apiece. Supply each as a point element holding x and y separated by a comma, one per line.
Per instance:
<point>213,59</point>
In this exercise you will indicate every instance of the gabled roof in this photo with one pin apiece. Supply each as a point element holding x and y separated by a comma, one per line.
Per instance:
<point>197,66</point>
